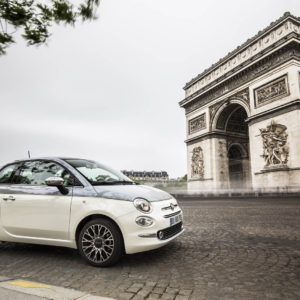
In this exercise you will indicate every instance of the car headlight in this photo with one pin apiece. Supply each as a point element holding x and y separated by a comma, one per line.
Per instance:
<point>144,221</point>
<point>142,205</point>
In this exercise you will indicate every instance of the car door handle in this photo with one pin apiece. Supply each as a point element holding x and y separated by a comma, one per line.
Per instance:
<point>9,198</point>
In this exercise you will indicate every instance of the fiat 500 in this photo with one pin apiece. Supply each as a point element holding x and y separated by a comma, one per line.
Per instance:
<point>84,205</point>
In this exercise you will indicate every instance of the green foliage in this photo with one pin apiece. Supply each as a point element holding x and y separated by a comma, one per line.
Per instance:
<point>35,18</point>
<point>184,178</point>
<point>86,9</point>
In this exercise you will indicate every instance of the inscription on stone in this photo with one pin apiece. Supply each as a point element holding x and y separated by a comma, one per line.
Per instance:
<point>271,91</point>
<point>197,123</point>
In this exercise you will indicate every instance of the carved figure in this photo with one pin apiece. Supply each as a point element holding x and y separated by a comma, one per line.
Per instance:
<point>198,163</point>
<point>275,89</point>
<point>197,123</point>
<point>222,166</point>
<point>274,138</point>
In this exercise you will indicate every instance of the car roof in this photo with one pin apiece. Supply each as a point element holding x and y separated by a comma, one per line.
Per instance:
<point>30,159</point>
<point>55,158</point>
<point>46,157</point>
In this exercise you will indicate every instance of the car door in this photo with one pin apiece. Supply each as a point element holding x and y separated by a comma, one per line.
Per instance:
<point>6,175</point>
<point>31,209</point>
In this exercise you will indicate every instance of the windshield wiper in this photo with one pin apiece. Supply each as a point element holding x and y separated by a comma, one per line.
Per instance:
<point>112,182</point>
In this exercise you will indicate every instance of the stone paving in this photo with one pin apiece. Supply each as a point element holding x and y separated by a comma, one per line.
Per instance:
<point>232,249</point>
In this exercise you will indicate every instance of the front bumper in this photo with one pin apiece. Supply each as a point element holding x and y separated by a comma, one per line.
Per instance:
<point>139,239</point>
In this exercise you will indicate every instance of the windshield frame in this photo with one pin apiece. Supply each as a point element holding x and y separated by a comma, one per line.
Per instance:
<point>122,179</point>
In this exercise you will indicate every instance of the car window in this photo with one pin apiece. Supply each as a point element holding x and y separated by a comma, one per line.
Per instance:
<point>97,173</point>
<point>6,173</point>
<point>36,172</point>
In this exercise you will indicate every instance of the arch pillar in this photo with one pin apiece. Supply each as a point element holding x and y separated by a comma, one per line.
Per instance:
<point>228,130</point>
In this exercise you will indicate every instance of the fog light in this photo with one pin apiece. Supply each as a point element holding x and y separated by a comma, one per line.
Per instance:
<point>160,235</point>
<point>144,221</point>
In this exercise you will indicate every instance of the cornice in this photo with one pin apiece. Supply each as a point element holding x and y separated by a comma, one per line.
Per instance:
<point>289,51</point>
<point>249,49</point>
<point>274,112</point>
<point>281,43</point>
<point>215,134</point>
<point>234,72</point>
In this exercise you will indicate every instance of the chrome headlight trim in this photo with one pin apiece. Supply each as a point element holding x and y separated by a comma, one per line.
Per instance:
<point>142,205</point>
<point>148,221</point>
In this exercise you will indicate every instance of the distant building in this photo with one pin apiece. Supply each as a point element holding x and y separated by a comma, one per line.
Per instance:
<point>148,176</point>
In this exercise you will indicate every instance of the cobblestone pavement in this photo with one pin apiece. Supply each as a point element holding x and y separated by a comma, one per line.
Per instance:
<point>232,249</point>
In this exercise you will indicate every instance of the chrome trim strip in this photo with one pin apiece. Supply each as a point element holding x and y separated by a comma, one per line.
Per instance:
<point>173,214</point>
<point>149,235</point>
<point>169,207</point>
<point>36,238</point>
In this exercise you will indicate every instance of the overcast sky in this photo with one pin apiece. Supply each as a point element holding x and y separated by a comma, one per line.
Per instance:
<point>109,90</point>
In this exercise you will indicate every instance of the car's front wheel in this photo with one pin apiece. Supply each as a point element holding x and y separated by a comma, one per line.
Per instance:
<point>100,242</point>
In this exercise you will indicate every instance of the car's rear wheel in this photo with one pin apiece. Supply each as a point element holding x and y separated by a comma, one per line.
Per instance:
<point>100,242</point>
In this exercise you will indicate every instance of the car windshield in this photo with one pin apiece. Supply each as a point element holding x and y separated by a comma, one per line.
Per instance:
<point>98,174</point>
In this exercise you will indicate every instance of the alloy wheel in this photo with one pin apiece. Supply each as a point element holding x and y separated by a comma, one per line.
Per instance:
<point>97,243</point>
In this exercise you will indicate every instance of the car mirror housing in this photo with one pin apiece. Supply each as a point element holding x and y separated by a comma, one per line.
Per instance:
<point>54,181</point>
<point>59,183</point>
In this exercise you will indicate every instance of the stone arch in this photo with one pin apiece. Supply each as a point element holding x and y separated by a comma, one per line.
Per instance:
<point>244,152</point>
<point>230,121</point>
<point>227,105</point>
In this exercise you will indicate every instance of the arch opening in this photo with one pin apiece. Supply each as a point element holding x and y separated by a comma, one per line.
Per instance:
<point>235,167</point>
<point>232,122</point>
<point>236,121</point>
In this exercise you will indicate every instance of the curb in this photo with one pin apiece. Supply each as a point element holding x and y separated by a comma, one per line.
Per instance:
<point>233,196</point>
<point>28,290</point>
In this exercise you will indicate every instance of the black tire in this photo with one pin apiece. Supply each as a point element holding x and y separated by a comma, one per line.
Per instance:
<point>100,242</point>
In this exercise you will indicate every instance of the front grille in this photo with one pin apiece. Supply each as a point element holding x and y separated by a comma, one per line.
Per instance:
<point>169,207</point>
<point>173,214</point>
<point>170,231</point>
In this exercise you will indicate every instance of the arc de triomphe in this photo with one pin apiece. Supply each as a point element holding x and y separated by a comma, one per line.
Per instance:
<point>243,114</point>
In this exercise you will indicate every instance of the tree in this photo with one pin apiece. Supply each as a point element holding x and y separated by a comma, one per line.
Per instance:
<point>184,178</point>
<point>35,18</point>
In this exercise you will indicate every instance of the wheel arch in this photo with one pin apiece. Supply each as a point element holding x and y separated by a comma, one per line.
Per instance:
<point>93,217</point>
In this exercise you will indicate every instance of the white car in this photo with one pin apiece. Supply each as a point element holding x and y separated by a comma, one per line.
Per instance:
<point>82,204</point>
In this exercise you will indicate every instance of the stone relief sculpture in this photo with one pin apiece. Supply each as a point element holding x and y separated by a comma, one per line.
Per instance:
<point>222,150</point>
<point>274,138</point>
<point>197,123</point>
<point>271,91</point>
<point>244,94</point>
<point>197,163</point>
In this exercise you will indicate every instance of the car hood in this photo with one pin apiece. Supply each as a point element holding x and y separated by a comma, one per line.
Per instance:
<point>131,192</point>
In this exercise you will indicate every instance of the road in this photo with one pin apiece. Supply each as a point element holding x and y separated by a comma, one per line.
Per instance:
<point>231,249</point>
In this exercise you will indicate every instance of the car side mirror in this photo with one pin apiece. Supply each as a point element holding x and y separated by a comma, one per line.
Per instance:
<point>54,181</point>
<point>59,183</point>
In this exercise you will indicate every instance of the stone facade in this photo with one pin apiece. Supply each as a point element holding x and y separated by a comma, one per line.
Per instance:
<point>243,114</point>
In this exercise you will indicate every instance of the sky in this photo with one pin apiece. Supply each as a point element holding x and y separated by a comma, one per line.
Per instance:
<point>108,90</point>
